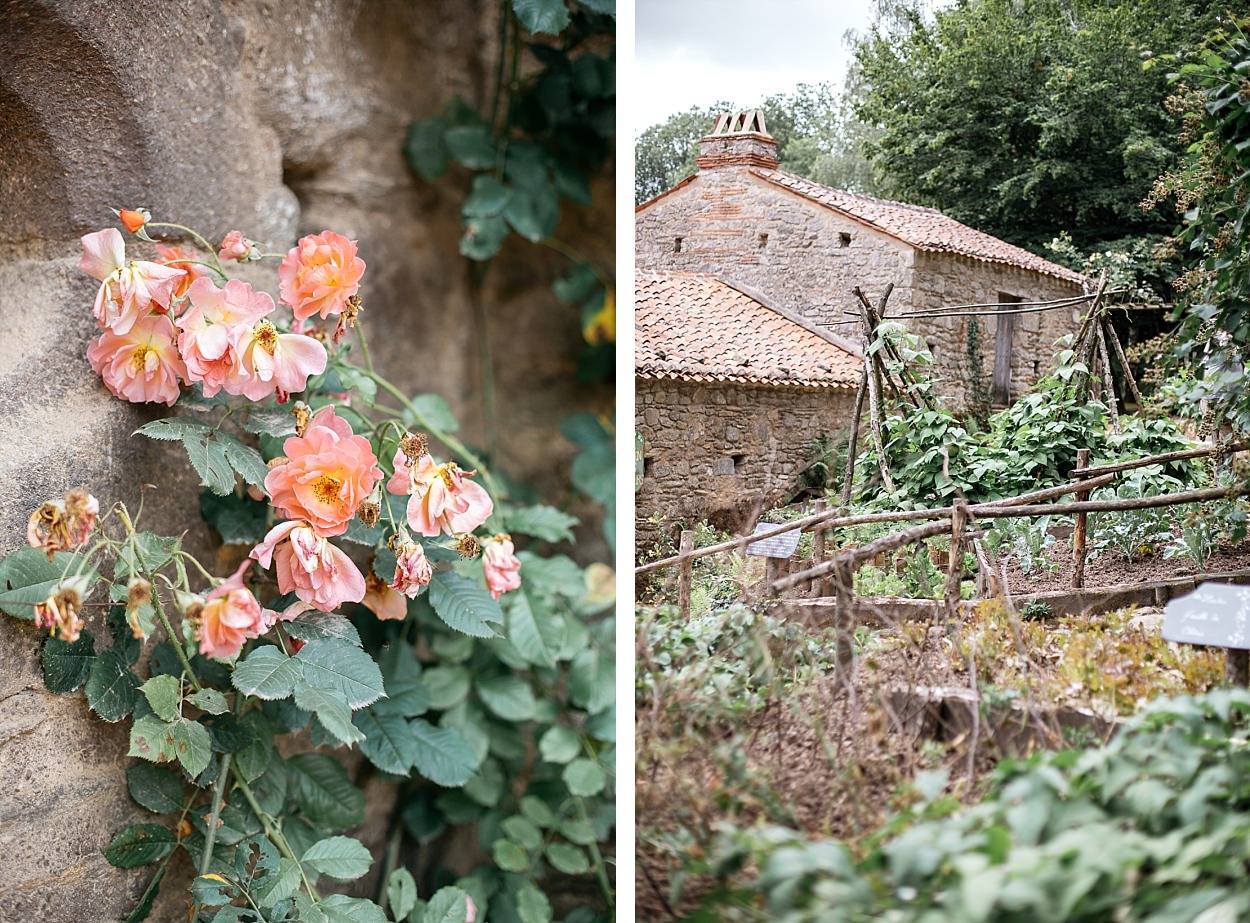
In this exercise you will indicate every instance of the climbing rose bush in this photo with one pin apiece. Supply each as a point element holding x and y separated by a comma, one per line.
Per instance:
<point>334,623</point>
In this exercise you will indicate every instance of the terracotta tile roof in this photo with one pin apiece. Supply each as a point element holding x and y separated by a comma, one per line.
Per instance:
<point>923,228</point>
<point>699,328</point>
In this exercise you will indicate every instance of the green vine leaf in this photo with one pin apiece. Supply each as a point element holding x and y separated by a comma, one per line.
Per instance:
<point>448,905</point>
<point>388,742</point>
<point>67,664</point>
<point>28,578</point>
<point>156,788</point>
<point>140,844</point>
<point>267,674</point>
<point>216,456</point>
<point>340,669</point>
<point>442,756</point>
<point>112,689</point>
<point>163,693</point>
<point>324,793</point>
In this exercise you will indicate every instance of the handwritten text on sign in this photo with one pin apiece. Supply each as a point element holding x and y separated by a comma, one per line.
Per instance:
<point>1215,614</point>
<point>779,546</point>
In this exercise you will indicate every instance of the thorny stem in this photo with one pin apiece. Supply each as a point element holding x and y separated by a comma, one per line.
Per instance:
<point>173,638</point>
<point>210,834</point>
<point>275,834</point>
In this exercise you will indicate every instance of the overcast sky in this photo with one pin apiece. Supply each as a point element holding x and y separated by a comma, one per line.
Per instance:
<point>698,52</point>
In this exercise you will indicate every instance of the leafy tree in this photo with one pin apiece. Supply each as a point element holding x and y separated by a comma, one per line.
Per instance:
<point>817,135</point>
<point>1026,118</point>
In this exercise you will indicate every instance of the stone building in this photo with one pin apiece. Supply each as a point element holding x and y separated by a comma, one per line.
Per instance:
<point>278,119</point>
<point>805,247</point>
<point>731,395</point>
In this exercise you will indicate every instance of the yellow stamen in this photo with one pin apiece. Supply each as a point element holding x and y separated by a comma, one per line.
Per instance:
<point>139,361</point>
<point>326,488</point>
<point>266,336</point>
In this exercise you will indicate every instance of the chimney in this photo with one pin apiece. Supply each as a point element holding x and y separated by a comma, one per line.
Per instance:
<point>738,140</point>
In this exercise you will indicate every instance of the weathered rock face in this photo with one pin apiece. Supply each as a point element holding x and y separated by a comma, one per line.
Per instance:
<point>278,119</point>
<point>724,450</point>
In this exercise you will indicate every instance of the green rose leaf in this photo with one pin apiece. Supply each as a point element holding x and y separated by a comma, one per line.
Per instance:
<point>401,893</point>
<point>510,697</point>
<point>28,578</point>
<point>584,777</point>
<point>532,905</point>
<point>192,745</point>
<point>112,689</point>
<point>267,673</point>
<point>140,844</point>
<point>341,669</point>
<point>560,744</point>
<point>463,605</point>
<point>442,755</point>
<point>567,858</point>
<point>157,788</point>
<point>215,455</point>
<point>339,857</point>
<point>545,522</point>
<point>324,793</point>
<point>538,16</point>
<point>163,693</point>
<point>209,700</point>
<point>388,742</point>
<point>448,905</point>
<point>67,664</point>
<point>333,713</point>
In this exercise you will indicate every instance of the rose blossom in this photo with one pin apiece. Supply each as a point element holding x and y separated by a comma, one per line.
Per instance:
<point>212,325</point>
<point>231,615</point>
<point>60,525</point>
<point>128,290</point>
<point>319,274</point>
<point>441,496</point>
<point>274,363</point>
<point>308,565</point>
<point>329,472</point>
<point>381,597</point>
<point>234,246</point>
<point>141,365</point>
<point>59,612</point>
<point>412,569</point>
<point>177,258</point>
<point>500,565</point>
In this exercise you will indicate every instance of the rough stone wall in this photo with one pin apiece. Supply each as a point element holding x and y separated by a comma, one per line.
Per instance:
<point>721,450</point>
<point>804,257</point>
<point>279,119</point>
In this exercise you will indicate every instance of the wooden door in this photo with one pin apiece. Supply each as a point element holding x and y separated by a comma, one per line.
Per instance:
<point>1003,330</point>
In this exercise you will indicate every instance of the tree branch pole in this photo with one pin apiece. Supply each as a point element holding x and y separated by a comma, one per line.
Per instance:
<point>853,443</point>
<point>1079,531</point>
<point>1108,380</point>
<point>1124,363</point>
<point>686,574</point>
<point>955,563</point>
<point>1166,457</point>
<point>874,403</point>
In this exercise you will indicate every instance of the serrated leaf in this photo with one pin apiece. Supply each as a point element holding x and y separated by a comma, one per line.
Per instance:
<point>533,212</point>
<point>537,811</point>
<point>339,857</point>
<point>532,905</point>
<point>192,745</point>
<point>252,761</point>
<point>488,196</point>
<point>67,664</point>
<point>155,787</point>
<point>213,889</point>
<point>324,793</point>
<point>323,626</point>
<point>472,146</point>
<point>146,553</point>
<point>112,689</point>
<point>448,905</point>
<point>268,421</point>
<point>333,713</point>
<point>163,693</point>
<point>567,858</point>
<point>443,756</point>
<point>209,700</point>
<point>341,669</point>
<point>433,412</point>
<point>339,908</point>
<point>539,16</point>
<point>401,893</point>
<point>483,237</point>
<point>144,906</point>
<point>388,742</point>
<point>446,686</point>
<point>545,522</point>
<point>509,856</point>
<point>510,697</point>
<point>140,844</point>
<point>215,455</point>
<point>280,886</point>
<point>560,744</point>
<point>267,673</point>
<point>533,630</point>
<point>28,578</point>
<point>463,605</point>
<point>150,739</point>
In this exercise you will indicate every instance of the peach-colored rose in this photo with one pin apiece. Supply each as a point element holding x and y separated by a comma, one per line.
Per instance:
<point>412,569</point>
<point>187,261</point>
<point>231,615</point>
<point>215,320</point>
<point>308,565</point>
<point>328,473</point>
<point>142,365</point>
<point>501,565</point>
<point>441,497</point>
<point>134,218</point>
<point>274,363</point>
<point>128,290</point>
<point>381,597</point>
<point>319,274</point>
<point>234,246</point>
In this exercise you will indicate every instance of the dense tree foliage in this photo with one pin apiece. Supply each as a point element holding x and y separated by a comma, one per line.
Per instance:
<point>1025,118</point>
<point>817,135</point>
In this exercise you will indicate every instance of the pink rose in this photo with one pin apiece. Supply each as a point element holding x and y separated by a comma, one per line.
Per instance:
<point>211,327</point>
<point>230,616</point>
<point>386,604</point>
<point>412,570</point>
<point>275,363</point>
<point>308,565</point>
<point>177,258</point>
<point>441,498</point>
<point>319,274</point>
<point>142,365</point>
<point>234,246</point>
<point>500,565</point>
<point>328,473</point>
<point>128,290</point>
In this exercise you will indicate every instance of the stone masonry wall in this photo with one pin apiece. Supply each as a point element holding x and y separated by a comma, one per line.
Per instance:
<point>799,255</point>
<point>279,119</point>
<point>724,450</point>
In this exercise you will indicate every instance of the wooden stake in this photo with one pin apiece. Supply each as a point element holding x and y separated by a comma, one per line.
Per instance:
<point>818,547</point>
<point>1124,364</point>
<point>1078,534</point>
<point>1237,667</point>
<point>1108,381</point>
<point>955,565</point>
<point>874,405</point>
<point>686,573</point>
<point>844,620</point>
<point>854,441</point>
